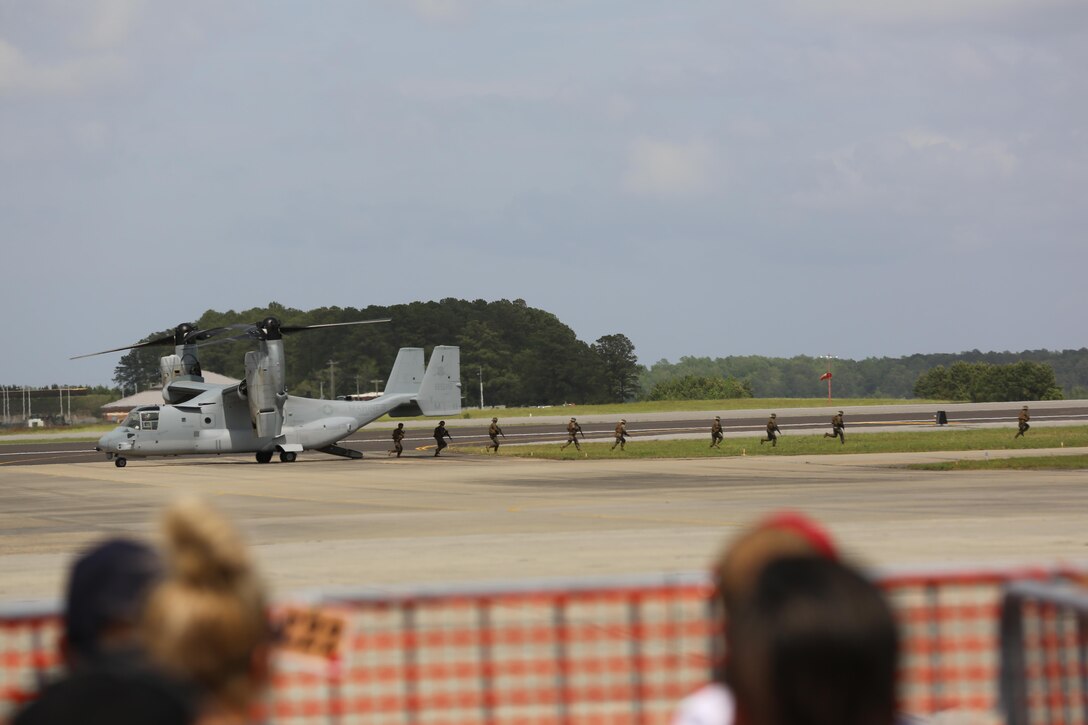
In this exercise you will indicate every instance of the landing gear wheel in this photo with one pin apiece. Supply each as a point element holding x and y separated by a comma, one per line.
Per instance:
<point>264,456</point>
<point>119,462</point>
<point>288,457</point>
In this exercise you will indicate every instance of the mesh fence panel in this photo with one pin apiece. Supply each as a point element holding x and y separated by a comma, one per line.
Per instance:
<point>610,651</point>
<point>1044,648</point>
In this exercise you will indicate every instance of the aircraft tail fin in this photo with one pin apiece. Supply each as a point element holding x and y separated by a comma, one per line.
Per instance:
<point>440,391</point>
<point>407,373</point>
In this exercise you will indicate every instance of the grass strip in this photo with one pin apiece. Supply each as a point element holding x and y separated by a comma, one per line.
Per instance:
<point>75,434</point>
<point>682,406</point>
<point>944,439</point>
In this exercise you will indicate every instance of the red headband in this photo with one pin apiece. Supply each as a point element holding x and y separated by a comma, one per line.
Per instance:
<point>806,528</point>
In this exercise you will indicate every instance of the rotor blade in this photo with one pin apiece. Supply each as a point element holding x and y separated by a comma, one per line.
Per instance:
<point>242,330</point>
<point>299,328</point>
<point>164,340</point>
<point>202,335</point>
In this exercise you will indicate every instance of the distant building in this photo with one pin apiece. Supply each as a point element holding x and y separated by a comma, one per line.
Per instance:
<point>116,411</point>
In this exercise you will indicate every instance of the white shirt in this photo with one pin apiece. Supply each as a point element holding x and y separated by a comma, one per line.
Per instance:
<point>711,704</point>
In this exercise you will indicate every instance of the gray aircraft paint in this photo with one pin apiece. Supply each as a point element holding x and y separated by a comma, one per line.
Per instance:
<point>219,418</point>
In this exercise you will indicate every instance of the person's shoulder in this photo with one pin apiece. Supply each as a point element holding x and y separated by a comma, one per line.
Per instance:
<point>711,704</point>
<point>114,695</point>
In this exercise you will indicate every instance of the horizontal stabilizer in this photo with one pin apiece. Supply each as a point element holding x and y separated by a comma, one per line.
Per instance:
<point>440,392</point>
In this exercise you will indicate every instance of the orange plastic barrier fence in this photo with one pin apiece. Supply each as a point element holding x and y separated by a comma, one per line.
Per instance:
<point>574,652</point>
<point>1044,647</point>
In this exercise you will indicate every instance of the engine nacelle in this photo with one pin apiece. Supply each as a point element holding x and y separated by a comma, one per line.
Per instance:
<point>169,368</point>
<point>183,365</point>
<point>266,388</point>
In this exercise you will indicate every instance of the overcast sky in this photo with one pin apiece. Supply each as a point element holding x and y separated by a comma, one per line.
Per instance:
<point>708,177</point>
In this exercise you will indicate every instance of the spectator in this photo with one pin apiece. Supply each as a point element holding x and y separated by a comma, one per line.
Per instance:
<point>735,573</point>
<point>108,678</point>
<point>206,623</point>
<point>814,644</point>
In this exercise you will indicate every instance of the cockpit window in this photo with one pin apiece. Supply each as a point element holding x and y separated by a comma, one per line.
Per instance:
<point>146,417</point>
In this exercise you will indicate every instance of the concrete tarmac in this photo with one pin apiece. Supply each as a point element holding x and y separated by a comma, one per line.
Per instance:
<point>384,523</point>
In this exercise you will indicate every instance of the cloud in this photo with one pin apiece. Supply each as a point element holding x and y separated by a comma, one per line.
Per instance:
<point>69,48</point>
<point>19,74</point>
<point>110,23</point>
<point>438,11</point>
<point>984,158</point>
<point>916,171</point>
<point>898,12</point>
<point>667,170</point>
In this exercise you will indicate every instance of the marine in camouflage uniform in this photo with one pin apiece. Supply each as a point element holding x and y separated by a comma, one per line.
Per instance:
<point>716,434</point>
<point>621,435</point>
<point>1022,422</point>
<point>573,429</point>
<point>772,429</point>
<point>494,431</point>
<point>837,427</point>
<point>440,433</point>
<point>398,437</point>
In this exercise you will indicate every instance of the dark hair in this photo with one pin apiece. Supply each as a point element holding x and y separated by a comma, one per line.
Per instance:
<point>815,644</point>
<point>106,592</point>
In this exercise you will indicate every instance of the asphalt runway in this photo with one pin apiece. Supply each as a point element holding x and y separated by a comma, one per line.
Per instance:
<point>381,524</point>
<point>551,428</point>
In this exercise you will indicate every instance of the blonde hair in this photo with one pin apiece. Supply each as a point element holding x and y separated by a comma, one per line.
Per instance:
<point>738,567</point>
<point>207,621</point>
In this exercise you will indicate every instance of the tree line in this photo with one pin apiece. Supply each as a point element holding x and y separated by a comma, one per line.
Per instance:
<point>523,355</point>
<point>526,356</point>
<point>1042,372</point>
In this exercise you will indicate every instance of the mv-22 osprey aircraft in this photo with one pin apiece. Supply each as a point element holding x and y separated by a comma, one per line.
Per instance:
<point>257,415</point>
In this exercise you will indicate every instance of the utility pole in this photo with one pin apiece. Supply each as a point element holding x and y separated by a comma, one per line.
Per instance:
<point>481,388</point>
<point>332,380</point>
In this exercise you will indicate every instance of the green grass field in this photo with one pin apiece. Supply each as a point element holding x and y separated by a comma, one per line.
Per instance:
<point>682,406</point>
<point>72,434</point>
<point>945,439</point>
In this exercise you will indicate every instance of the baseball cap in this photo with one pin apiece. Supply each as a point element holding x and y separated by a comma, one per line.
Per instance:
<point>107,588</point>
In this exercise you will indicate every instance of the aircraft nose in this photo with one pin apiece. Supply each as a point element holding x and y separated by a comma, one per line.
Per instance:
<point>112,441</point>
